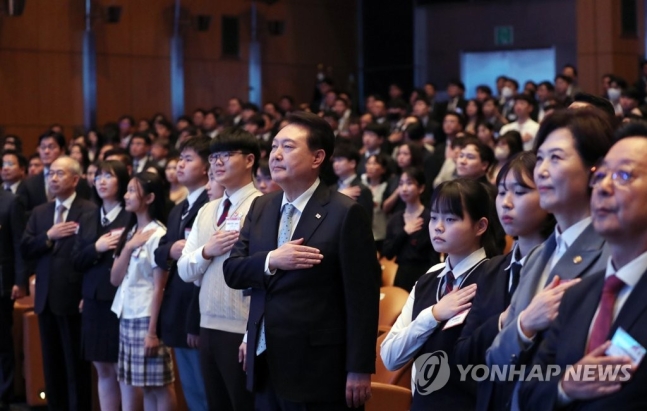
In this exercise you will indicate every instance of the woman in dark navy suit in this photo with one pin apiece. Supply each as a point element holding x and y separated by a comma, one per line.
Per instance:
<point>93,253</point>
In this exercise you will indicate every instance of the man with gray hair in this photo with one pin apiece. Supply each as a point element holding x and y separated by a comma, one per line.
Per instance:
<point>48,242</point>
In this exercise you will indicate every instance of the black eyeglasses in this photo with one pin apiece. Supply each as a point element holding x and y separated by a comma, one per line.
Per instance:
<point>222,156</point>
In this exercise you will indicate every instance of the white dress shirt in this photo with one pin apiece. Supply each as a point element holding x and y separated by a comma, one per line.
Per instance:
<point>111,215</point>
<point>563,240</point>
<point>407,335</point>
<point>193,196</point>
<point>630,274</point>
<point>13,187</point>
<point>135,293</point>
<point>67,203</point>
<point>527,127</point>
<point>299,204</point>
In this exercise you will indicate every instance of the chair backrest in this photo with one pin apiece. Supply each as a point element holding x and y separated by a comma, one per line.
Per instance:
<point>401,377</point>
<point>389,268</point>
<point>385,397</point>
<point>392,300</point>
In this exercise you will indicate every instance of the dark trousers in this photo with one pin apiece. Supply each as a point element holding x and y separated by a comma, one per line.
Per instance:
<point>6,349</point>
<point>268,400</point>
<point>223,375</point>
<point>67,376</point>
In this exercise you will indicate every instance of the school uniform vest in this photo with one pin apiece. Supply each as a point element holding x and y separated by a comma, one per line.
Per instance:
<point>455,395</point>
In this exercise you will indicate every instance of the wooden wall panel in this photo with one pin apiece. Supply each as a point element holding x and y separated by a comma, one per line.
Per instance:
<point>41,74</point>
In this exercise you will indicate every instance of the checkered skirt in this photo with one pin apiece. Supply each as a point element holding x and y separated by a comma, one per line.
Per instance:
<point>134,367</point>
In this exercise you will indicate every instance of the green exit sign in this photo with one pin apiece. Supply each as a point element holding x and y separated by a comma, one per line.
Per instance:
<point>503,35</point>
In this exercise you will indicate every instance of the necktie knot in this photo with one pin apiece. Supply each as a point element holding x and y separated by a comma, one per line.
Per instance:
<point>225,211</point>
<point>449,282</point>
<point>285,226</point>
<point>105,221</point>
<point>612,285</point>
<point>185,209</point>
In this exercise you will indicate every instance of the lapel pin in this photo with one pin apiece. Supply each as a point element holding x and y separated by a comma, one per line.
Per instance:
<point>577,259</point>
<point>318,215</point>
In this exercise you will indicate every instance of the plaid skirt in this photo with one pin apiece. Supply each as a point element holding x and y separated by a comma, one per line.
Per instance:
<point>134,367</point>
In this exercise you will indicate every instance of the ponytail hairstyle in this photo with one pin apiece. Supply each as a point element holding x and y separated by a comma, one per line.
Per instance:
<point>148,183</point>
<point>466,197</point>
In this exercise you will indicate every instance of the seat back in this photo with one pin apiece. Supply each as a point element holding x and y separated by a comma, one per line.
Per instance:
<point>385,397</point>
<point>401,377</point>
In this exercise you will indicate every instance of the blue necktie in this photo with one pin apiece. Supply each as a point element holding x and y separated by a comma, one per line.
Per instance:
<point>285,232</point>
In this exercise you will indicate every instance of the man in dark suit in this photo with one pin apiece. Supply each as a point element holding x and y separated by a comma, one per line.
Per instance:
<point>175,313</point>
<point>345,159</point>
<point>315,288</point>
<point>14,170</point>
<point>34,191</point>
<point>13,283</point>
<point>49,240</point>
<point>140,146</point>
<point>592,312</point>
<point>455,100</point>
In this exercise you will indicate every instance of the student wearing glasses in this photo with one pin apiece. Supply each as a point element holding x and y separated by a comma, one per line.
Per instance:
<point>234,160</point>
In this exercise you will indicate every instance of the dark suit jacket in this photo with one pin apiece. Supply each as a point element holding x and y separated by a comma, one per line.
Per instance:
<point>57,282</point>
<point>32,191</point>
<point>320,323</point>
<point>482,324</point>
<point>566,340</point>
<point>175,313</point>
<point>96,266</point>
<point>587,255</point>
<point>12,225</point>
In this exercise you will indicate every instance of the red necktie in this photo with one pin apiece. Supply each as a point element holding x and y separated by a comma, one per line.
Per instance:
<point>225,211</point>
<point>449,282</point>
<point>604,319</point>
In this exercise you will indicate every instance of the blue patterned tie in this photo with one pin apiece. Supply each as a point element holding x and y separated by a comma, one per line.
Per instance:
<point>285,232</point>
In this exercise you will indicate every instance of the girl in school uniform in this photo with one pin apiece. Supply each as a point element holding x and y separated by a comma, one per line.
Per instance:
<point>407,236</point>
<point>523,219</point>
<point>93,253</point>
<point>433,316</point>
<point>144,361</point>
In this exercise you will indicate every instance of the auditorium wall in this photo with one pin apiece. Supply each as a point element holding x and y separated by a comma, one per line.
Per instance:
<point>41,57</point>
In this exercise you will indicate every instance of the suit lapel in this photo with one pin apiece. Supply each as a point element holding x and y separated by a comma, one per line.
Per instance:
<point>635,305</point>
<point>579,256</point>
<point>313,214</point>
<point>579,324</point>
<point>531,273</point>
<point>193,211</point>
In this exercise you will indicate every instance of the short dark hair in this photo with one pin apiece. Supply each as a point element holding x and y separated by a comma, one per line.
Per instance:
<point>256,119</point>
<point>549,86</point>
<point>632,128</point>
<point>598,102</point>
<point>16,141</point>
<point>485,152</point>
<point>528,99</point>
<point>347,151</point>
<point>632,93</point>
<point>143,136</point>
<point>120,152</point>
<point>415,131</point>
<point>514,82</point>
<point>484,89</point>
<point>459,116</point>
<point>564,77</point>
<point>200,144</point>
<point>331,114</point>
<point>22,161</point>
<point>58,138</point>
<point>250,106</point>
<point>320,134</point>
<point>572,67</point>
<point>589,127</point>
<point>416,173</point>
<point>513,140</point>
<point>397,103</point>
<point>234,138</point>
<point>456,82</point>
<point>288,98</point>
<point>380,130</point>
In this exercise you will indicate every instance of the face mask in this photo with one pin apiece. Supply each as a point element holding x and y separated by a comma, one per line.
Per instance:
<point>614,94</point>
<point>506,92</point>
<point>501,153</point>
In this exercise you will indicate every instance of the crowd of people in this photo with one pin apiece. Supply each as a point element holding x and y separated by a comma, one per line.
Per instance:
<point>243,242</point>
